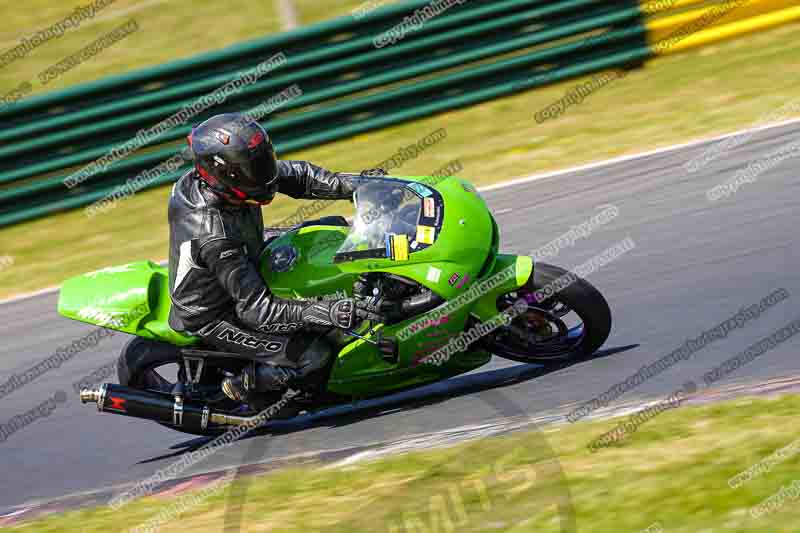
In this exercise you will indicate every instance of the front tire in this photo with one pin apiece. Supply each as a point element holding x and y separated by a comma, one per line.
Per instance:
<point>552,293</point>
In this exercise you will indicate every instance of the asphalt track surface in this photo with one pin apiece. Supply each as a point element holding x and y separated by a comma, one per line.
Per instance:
<point>694,265</point>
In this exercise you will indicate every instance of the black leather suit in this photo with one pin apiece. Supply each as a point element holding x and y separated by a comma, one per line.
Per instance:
<point>215,287</point>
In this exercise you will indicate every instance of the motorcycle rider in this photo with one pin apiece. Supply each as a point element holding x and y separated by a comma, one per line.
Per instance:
<point>216,238</point>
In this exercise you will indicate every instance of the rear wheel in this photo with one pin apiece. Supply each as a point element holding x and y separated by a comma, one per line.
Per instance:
<point>566,318</point>
<point>146,364</point>
<point>155,366</point>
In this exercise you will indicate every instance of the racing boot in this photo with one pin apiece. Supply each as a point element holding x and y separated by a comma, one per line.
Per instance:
<point>261,377</point>
<point>234,388</point>
<point>270,377</point>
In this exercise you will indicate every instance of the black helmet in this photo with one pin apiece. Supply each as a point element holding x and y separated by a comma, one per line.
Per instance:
<point>234,155</point>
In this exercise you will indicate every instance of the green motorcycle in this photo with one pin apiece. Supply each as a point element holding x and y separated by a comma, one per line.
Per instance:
<point>430,245</point>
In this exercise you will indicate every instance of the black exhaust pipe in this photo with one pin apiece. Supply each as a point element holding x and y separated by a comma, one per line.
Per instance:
<point>160,407</point>
<point>165,408</point>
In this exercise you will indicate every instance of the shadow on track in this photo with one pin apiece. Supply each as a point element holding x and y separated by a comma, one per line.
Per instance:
<point>408,400</point>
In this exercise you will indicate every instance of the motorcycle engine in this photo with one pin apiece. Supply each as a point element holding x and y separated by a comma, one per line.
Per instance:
<point>412,298</point>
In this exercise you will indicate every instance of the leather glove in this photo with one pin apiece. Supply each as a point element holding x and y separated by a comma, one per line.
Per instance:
<point>345,313</point>
<point>381,310</point>
<point>384,309</point>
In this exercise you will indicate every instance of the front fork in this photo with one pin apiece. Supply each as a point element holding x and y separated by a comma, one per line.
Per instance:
<point>509,273</point>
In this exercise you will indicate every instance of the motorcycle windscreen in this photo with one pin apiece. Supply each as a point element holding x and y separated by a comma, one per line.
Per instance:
<point>383,208</point>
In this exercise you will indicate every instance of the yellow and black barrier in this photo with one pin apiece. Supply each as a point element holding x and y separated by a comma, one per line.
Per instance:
<point>674,26</point>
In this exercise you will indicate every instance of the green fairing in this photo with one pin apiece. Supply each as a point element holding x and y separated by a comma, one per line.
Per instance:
<point>314,273</point>
<point>134,298</point>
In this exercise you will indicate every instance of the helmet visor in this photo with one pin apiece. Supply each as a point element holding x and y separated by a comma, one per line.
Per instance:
<point>257,177</point>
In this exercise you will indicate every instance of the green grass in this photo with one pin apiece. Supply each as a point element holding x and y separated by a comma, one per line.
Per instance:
<point>713,90</point>
<point>167,31</point>
<point>673,471</point>
<point>310,11</point>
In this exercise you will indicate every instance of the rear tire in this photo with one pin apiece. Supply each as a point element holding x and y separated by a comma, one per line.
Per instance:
<point>140,355</point>
<point>137,358</point>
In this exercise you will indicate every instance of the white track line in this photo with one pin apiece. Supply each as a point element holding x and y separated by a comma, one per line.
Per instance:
<point>632,157</point>
<point>28,295</point>
<point>545,175</point>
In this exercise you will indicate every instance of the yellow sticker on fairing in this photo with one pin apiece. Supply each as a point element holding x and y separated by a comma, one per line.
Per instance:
<point>400,247</point>
<point>426,234</point>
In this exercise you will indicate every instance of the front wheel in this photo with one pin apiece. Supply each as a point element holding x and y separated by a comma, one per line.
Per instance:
<point>566,318</point>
